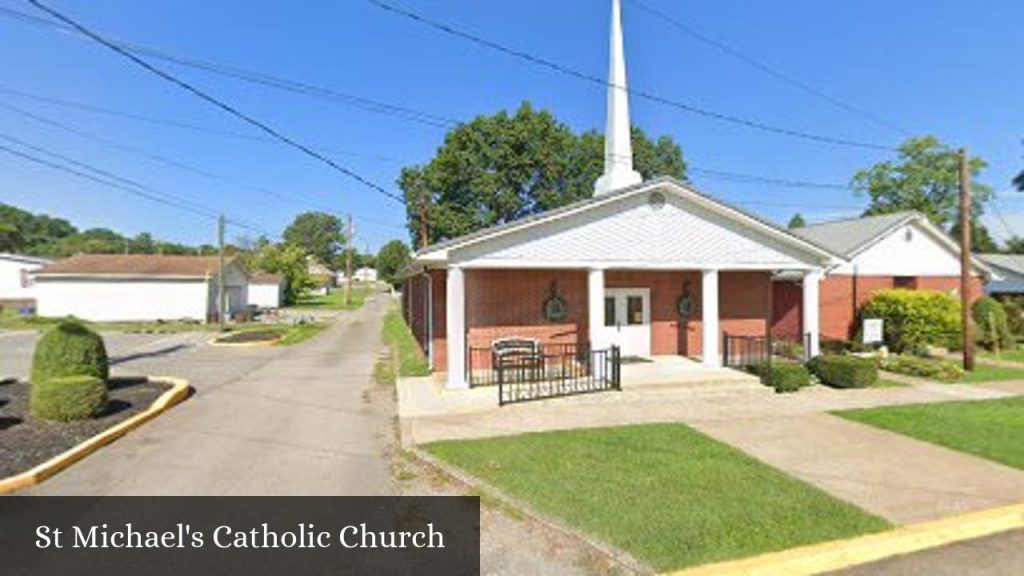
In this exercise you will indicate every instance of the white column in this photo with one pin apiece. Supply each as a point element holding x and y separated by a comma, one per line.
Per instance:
<point>595,306</point>
<point>455,322</point>
<point>709,318</point>
<point>811,309</point>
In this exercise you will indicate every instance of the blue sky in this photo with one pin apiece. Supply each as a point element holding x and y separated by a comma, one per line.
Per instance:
<point>949,68</point>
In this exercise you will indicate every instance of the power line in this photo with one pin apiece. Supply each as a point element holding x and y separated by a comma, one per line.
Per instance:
<point>176,163</point>
<point>294,86</point>
<point>170,123</point>
<point>219,104</point>
<point>568,71</point>
<point>183,206</point>
<point>756,179</point>
<point>770,70</point>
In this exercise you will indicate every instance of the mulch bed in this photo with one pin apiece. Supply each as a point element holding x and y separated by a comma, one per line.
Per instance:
<point>26,441</point>
<point>250,336</point>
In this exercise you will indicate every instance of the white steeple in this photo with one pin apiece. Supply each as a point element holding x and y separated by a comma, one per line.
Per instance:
<point>618,149</point>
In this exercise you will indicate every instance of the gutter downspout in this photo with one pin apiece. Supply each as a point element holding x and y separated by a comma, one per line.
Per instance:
<point>428,317</point>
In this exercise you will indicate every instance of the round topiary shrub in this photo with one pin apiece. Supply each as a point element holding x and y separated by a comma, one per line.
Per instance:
<point>844,371</point>
<point>70,349</point>
<point>992,325</point>
<point>68,398</point>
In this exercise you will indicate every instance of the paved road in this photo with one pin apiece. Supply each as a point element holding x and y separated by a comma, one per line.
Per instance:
<point>264,421</point>
<point>999,555</point>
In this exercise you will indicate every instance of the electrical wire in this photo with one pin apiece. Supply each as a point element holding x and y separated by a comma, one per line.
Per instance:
<point>648,96</point>
<point>266,128</point>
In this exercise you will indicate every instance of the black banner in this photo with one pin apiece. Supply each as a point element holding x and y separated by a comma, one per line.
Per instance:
<point>136,536</point>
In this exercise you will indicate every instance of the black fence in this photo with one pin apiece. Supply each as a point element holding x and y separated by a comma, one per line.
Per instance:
<point>545,371</point>
<point>746,351</point>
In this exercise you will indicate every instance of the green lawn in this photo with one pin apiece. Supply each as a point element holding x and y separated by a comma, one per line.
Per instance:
<point>665,493</point>
<point>398,336</point>
<point>989,373</point>
<point>336,299</point>
<point>297,333</point>
<point>11,321</point>
<point>1010,355</point>
<point>992,429</point>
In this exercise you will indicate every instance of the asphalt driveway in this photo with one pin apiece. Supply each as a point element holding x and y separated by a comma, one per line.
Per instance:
<point>264,421</point>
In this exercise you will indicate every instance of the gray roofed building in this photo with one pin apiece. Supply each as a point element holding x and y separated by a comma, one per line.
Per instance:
<point>848,237</point>
<point>1010,268</point>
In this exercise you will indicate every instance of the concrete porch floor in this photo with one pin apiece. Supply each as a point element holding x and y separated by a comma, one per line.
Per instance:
<point>427,396</point>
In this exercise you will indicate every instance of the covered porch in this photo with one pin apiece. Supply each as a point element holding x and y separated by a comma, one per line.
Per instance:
<point>572,317</point>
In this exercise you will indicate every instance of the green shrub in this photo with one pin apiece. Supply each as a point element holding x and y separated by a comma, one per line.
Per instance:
<point>991,324</point>
<point>68,398</point>
<point>784,376</point>
<point>923,367</point>
<point>844,371</point>
<point>1014,316</point>
<point>70,349</point>
<point>913,319</point>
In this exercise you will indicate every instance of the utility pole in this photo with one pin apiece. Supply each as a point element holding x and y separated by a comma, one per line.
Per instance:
<point>965,259</point>
<point>221,307</point>
<point>348,260</point>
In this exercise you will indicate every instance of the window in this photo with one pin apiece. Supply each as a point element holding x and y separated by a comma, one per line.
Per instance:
<point>634,310</point>
<point>609,311</point>
<point>907,282</point>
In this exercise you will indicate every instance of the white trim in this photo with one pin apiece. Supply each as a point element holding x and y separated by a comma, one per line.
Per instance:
<point>709,318</point>
<point>498,263</point>
<point>442,253</point>
<point>812,311</point>
<point>456,323</point>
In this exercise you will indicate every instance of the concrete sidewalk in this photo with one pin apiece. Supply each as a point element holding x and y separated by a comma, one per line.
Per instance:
<point>893,476</point>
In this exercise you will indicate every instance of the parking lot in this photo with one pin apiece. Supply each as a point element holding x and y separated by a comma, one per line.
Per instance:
<point>184,355</point>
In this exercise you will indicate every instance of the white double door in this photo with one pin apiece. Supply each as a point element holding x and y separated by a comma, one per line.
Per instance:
<point>627,320</point>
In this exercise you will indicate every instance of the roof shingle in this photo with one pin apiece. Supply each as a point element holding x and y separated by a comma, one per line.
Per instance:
<point>134,265</point>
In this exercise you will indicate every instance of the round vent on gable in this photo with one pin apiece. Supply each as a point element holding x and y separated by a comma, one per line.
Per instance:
<point>908,235</point>
<point>656,200</point>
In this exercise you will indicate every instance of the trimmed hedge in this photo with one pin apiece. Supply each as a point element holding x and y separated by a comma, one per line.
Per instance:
<point>991,323</point>
<point>844,371</point>
<point>931,369</point>
<point>915,319</point>
<point>68,398</point>
<point>784,376</point>
<point>70,349</point>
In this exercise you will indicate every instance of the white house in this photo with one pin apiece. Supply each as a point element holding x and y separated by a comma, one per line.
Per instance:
<point>143,287</point>
<point>365,274</point>
<point>1010,268</point>
<point>16,284</point>
<point>265,290</point>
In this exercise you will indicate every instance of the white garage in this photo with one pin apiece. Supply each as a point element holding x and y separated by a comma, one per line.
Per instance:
<point>16,286</point>
<point>265,290</point>
<point>138,287</point>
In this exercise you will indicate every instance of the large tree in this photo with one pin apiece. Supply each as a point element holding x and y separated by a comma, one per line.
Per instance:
<point>391,258</point>
<point>926,177</point>
<point>318,234</point>
<point>503,167</point>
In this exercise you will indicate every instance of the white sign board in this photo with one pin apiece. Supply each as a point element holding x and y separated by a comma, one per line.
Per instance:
<point>872,330</point>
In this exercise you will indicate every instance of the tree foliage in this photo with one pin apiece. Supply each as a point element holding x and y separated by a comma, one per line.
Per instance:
<point>289,261</point>
<point>391,258</point>
<point>318,234</point>
<point>41,235</point>
<point>797,221</point>
<point>926,177</point>
<point>503,167</point>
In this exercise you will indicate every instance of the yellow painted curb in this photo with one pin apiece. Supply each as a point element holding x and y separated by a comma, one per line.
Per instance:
<point>213,342</point>
<point>179,391</point>
<point>839,554</point>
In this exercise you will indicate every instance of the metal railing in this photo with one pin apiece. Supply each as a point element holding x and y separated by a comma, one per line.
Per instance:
<point>747,351</point>
<point>549,371</point>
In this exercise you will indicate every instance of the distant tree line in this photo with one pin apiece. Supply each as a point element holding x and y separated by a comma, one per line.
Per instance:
<point>23,232</point>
